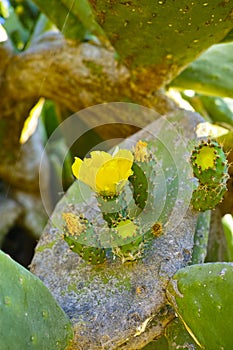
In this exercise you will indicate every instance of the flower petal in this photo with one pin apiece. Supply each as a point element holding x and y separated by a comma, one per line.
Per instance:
<point>124,153</point>
<point>103,172</point>
<point>113,173</point>
<point>98,158</point>
<point>76,166</point>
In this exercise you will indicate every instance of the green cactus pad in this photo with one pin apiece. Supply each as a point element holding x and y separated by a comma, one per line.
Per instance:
<point>201,238</point>
<point>113,208</point>
<point>140,185</point>
<point>170,34</point>
<point>202,298</point>
<point>178,337</point>
<point>92,255</point>
<point>205,197</point>
<point>30,318</point>
<point>142,181</point>
<point>127,231</point>
<point>209,163</point>
<point>82,239</point>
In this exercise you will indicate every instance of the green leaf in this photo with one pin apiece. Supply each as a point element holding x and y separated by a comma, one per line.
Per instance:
<point>42,25</point>
<point>211,73</point>
<point>202,298</point>
<point>218,110</point>
<point>213,108</point>
<point>30,318</point>
<point>16,31</point>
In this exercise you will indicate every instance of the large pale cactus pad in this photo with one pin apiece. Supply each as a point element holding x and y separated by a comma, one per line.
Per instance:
<point>117,305</point>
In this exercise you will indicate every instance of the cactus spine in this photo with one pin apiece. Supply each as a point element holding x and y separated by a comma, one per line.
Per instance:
<point>211,168</point>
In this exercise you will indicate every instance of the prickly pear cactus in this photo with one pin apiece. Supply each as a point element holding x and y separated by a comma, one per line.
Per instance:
<point>30,318</point>
<point>211,168</point>
<point>121,234</point>
<point>201,296</point>
<point>126,189</point>
<point>122,305</point>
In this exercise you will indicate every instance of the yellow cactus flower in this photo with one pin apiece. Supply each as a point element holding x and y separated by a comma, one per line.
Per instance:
<point>104,173</point>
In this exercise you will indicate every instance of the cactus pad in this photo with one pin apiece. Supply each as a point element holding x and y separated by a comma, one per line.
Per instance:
<point>30,316</point>
<point>202,297</point>
<point>122,231</point>
<point>80,235</point>
<point>134,242</point>
<point>170,34</point>
<point>211,168</point>
<point>209,163</point>
<point>143,175</point>
<point>178,337</point>
<point>206,197</point>
<point>206,76</point>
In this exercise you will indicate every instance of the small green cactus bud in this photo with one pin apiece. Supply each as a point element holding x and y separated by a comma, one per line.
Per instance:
<point>127,231</point>
<point>209,163</point>
<point>211,168</point>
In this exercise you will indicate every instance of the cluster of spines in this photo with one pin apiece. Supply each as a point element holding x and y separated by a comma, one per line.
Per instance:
<point>125,233</point>
<point>211,168</point>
